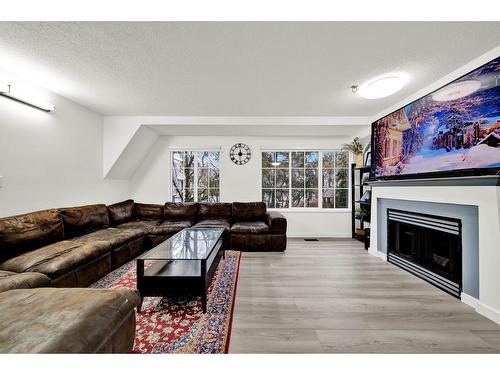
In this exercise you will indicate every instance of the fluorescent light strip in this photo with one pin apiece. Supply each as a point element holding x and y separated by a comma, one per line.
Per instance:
<point>8,91</point>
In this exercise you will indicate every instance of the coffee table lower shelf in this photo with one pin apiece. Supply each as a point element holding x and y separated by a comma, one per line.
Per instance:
<point>164,278</point>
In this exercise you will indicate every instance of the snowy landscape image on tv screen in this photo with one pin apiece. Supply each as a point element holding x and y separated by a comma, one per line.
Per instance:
<point>456,127</point>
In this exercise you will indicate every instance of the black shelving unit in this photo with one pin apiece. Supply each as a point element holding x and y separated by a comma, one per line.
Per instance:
<point>358,189</point>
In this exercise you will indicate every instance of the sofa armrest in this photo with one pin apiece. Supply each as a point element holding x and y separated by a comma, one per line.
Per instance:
<point>276,221</point>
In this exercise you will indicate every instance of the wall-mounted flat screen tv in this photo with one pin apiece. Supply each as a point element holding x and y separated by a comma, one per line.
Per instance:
<point>454,131</point>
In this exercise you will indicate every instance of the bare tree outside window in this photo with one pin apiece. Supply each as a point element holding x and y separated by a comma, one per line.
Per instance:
<point>292,179</point>
<point>195,176</point>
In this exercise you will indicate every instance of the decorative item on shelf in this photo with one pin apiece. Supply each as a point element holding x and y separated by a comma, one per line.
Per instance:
<point>360,232</point>
<point>356,147</point>
<point>368,159</point>
<point>366,197</point>
<point>360,213</point>
<point>365,177</point>
<point>367,154</point>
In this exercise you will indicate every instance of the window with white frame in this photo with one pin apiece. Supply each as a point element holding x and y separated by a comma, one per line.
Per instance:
<point>292,179</point>
<point>195,176</point>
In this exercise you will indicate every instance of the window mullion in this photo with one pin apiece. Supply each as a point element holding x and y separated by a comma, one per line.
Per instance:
<point>289,179</point>
<point>334,179</point>
<point>195,177</point>
<point>304,174</point>
<point>320,179</point>
<point>275,183</point>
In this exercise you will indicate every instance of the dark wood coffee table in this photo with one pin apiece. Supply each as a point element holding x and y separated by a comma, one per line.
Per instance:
<point>184,263</point>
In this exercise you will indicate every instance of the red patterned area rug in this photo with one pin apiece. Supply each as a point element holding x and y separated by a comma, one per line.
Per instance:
<point>178,325</point>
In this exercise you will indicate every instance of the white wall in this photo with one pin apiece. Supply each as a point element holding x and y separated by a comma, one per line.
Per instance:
<point>51,159</point>
<point>151,181</point>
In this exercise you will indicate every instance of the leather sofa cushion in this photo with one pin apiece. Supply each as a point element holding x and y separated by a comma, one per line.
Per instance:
<point>277,222</point>
<point>211,223</point>
<point>114,236</point>
<point>121,212</point>
<point>22,233</point>
<point>84,219</point>
<point>261,242</point>
<point>180,211</point>
<point>278,242</point>
<point>66,320</point>
<point>144,225</point>
<point>214,211</point>
<point>57,259</point>
<point>250,227</point>
<point>148,211</point>
<point>250,242</point>
<point>250,211</point>
<point>171,227</point>
<point>12,280</point>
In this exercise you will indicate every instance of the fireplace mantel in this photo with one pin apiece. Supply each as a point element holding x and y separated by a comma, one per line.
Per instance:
<point>443,181</point>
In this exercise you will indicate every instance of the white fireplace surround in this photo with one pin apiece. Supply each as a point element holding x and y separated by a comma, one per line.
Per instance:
<point>487,199</point>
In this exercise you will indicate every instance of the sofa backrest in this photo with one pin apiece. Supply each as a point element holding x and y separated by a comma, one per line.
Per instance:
<point>121,212</point>
<point>84,219</point>
<point>148,211</point>
<point>22,233</point>
<point>249,211</point>
<point>180,211</point>
<point>214,211</point>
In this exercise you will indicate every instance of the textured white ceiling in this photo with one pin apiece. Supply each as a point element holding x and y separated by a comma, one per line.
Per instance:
<point>235,68</point>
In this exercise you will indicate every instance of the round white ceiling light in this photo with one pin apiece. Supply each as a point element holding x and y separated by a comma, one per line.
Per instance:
<point>382,87</point>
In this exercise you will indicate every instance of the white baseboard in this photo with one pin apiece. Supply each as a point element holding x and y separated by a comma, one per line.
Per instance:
<point>378,254</point>
<point>481,308</point>
<point>488,312</point>
<point>469,300</point>
<point>372,251</point>
<point>324,235</point>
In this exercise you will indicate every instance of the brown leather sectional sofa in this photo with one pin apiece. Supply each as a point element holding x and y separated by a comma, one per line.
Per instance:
<point>248,226</point>
<point>67,320</point>
<point>43,253</point>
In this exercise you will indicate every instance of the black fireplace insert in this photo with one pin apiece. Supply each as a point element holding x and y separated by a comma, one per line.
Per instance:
<point>428,246</point>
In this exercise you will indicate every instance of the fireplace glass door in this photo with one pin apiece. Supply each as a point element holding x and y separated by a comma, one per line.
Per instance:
<point>443,255</point>
<point>428,241</point>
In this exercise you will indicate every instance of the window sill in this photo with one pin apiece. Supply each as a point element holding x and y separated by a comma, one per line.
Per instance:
<point>311,210</point>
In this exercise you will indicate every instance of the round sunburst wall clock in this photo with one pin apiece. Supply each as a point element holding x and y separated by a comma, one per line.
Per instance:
<point>240,153</point>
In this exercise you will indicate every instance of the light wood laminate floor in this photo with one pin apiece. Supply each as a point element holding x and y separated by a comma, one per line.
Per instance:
<point>331,296</point>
